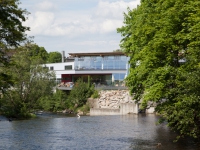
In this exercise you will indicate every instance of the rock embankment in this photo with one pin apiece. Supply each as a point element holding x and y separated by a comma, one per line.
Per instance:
<point>112,98</point>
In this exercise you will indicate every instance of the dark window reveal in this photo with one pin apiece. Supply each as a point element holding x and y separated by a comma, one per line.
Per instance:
<point>68,67</point>
<point>51,68</point>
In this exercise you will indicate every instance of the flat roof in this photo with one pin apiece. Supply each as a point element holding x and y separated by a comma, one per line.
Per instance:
<point>97,54</point>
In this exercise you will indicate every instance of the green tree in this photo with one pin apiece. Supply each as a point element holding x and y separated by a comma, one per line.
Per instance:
<point>54,57</point>
<point>56,102</point>
<point>12,33</point>
<point>31,81</point>
<point>80,92</point>
<point>37,52</point>
<point>158,35</point>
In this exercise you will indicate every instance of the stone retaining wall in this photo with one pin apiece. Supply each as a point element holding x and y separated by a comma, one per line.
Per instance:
<point>114,102</point>
<point>103,111</point>
<point>113,98</point>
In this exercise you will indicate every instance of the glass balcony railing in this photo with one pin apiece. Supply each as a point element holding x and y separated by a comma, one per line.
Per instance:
<point>101,63</point>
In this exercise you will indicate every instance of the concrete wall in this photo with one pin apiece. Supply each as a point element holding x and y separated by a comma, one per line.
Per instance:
<point>60,66</point>
<point>126,108</point>
<point>151,110</point>
<point>93,103</point>
<point>103,111</point>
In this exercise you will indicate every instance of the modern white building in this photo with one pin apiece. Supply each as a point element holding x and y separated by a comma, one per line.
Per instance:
<point>103,68</point>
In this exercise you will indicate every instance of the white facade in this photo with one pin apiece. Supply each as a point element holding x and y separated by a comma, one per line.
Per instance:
<point>59,68</point>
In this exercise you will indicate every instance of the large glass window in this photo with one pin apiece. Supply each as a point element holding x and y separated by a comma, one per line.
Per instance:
<point>123,62</point>
<point>109,62</point>
<point>86,63</point>
<point>115,62</point>
<point>96,62</point>
<point>76,63</point>
<point>81,63</point>
<point>93,60</point>
<point>121,76</point>
<point>118,76</point>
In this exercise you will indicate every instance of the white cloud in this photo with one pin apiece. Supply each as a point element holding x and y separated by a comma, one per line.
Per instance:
<point>46,6</point>
<point>106,9</point>
<point>110,25</point>
<point>40,22</point>
<point>64,25</point>
<point>91,43</point>
<point>105,18</point>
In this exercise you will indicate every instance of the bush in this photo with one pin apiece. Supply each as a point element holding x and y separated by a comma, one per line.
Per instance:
<point>80,92</point>
<point>58,101</point>
<point>85,108</point>
<point>95,94</point>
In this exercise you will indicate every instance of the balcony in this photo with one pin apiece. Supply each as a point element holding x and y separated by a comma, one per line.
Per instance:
<point>116,85</point>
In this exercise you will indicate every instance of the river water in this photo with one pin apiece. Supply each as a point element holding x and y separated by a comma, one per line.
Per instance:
<point>62,132</point>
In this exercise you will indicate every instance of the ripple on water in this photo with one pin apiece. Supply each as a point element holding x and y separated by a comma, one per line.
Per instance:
<point>61,132</point>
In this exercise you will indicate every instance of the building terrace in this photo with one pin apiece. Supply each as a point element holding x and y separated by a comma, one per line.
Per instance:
<point>105,69</point>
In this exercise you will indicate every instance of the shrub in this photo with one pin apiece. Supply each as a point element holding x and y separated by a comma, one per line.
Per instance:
<point>80,92</point>
<point>95,94</point>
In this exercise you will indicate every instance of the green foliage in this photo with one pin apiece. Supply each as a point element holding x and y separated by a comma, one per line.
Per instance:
<point>37,53</point>
<point>18,111</point>
<point>156,36</point>
<point>56,102</point>
<point>89,81</point>
<point>12,33</point>
<point>54,57</point>
<point>95,94</point>
<point>80,92</point>
<point>85,108</point>
<point>30,82</point>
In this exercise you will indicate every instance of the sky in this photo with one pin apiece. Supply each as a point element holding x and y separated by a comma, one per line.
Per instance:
<point>76,26</point>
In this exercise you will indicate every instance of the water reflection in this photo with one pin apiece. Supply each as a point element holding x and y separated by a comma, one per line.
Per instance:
<point>128,132</point>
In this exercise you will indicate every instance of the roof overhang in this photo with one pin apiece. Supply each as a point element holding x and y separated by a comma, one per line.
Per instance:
<point>102,54</point>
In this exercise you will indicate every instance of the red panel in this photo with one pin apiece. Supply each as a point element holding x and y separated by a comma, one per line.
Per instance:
<point>66,78</point>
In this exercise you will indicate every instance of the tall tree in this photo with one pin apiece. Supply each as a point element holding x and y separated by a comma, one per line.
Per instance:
<point>12,33</point>
<point>54,57</point>
<point>37,52</point>
<point>162,39</point>
<point>31,81</point>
